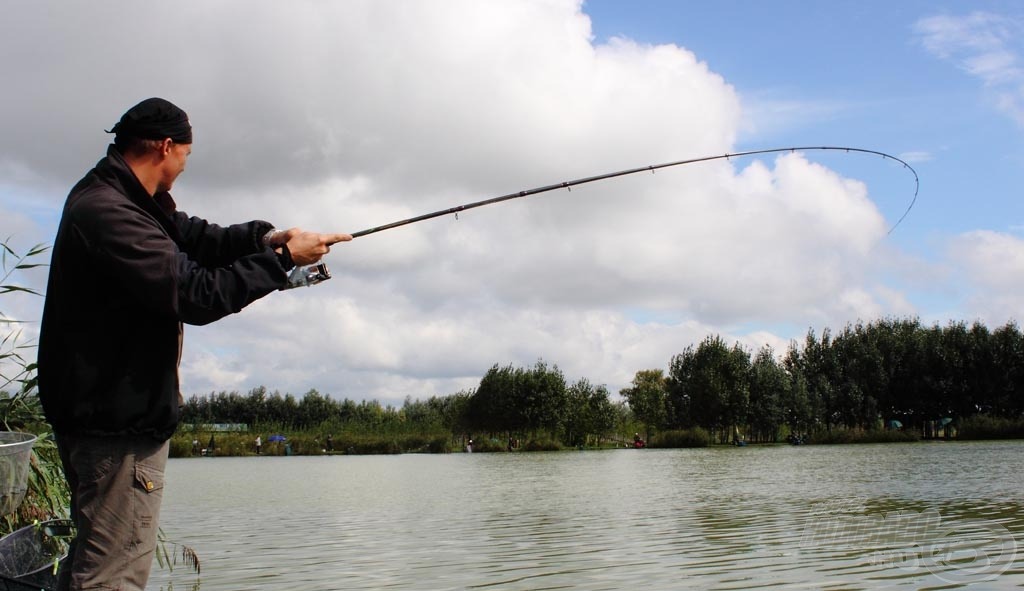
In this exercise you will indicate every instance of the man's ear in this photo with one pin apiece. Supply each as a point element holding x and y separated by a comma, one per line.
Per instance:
<point>165,146</point>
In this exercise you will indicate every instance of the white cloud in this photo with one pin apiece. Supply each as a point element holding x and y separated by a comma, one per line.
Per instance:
<point>992,263</point>
<point>987,46</point>
<point>765,112</point>
<point>916,157</point>
<point>344,116</point>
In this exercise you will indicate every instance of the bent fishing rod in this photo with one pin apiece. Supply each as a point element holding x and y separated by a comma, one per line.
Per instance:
<point>650,168</point>
<point>316,273</point>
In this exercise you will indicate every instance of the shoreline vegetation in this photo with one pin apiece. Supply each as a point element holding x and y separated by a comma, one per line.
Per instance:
<point>241,443</point>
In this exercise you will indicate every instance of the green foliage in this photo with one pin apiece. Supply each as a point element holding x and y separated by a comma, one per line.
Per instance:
<point>490,445</point>
<point>695,437</point>
<point>990,427</point>
<point>830,388</point>
<point>542,444</point>
<point>47,496</point>
<point>648,398</point>
<point>519,400</point>
<point>709,386</point>
<point>843,435</point>
<point>842,387</point>
<point>312,442</point>
<point>768,385</point>
<point>589,414</point>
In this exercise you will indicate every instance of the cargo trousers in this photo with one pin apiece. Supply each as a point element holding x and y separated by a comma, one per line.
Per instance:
<point>116,489</point>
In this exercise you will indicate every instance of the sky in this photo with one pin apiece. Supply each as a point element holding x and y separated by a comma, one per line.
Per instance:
<point>342,116</point>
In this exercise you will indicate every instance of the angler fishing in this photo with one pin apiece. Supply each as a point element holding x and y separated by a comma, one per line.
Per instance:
<point>317,273</point>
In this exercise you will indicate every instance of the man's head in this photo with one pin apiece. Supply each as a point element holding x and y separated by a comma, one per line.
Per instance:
<point>152,119</point>
<point>156,134</point>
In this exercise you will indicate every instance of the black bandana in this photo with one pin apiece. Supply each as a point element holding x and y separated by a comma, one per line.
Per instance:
<point>155,119</point>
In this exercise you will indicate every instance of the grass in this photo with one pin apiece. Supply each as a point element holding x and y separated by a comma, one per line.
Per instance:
<point>301,443</point>
<point>861,436</point>
<point>695,437</point>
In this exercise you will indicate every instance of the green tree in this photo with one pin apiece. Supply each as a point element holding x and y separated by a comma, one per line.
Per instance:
<point>589,413</point>
<point>769,384</point>
<point>736,384</point>
<point>1008,353</point>
<point>822,376</point>
<point>708,387</point>
<point>314,409</point>
<point>648,399</point>
<point>679,392</point>
<point>602,411</point>
<point>492,407</point>
<point>541,393</point>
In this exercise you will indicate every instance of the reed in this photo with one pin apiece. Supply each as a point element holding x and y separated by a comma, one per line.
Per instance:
<point>862,436</point>
<point>305,443</point>
<point>47,496</point>
<point>989,427</point>
<point>695,437</point>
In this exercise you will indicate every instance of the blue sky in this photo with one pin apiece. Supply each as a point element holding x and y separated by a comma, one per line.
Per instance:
<point>898,76</point>
<point>346,115</point>
<point>864,75</point>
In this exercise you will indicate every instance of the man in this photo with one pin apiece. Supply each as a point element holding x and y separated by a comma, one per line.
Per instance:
<point>127,271</point>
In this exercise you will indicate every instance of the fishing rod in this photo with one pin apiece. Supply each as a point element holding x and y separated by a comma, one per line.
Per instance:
<point>313,274</point>
<point>650,168</point>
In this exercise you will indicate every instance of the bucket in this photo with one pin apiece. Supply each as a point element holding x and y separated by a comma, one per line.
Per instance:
<point>29,557</point>
<point>15,453</point>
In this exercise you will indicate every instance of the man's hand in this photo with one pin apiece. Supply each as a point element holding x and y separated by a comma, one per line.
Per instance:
<point>307,248</point>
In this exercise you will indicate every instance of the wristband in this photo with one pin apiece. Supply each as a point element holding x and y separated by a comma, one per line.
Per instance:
<point>268,238</point>
<point>285,258</point>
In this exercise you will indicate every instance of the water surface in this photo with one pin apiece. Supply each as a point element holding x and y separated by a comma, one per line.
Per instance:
<point>940,515</point>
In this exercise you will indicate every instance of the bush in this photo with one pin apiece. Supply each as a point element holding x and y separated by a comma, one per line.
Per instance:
<point>303,443</point>
<point>695,437</point>
<point>488,445</point>
<point>181,447</point>
<point>431,444</point>
<point>541,445</point>
<point>989,427</point>
<point>859,436</point>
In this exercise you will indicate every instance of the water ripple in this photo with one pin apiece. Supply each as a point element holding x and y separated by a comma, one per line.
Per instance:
<point>844,517</point>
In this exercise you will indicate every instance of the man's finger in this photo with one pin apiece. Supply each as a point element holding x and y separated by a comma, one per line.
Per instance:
<point>336,238</point>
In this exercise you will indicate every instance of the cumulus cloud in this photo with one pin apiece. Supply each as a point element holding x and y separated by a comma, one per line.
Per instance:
<point>345,116</point>
<point>992,266</point>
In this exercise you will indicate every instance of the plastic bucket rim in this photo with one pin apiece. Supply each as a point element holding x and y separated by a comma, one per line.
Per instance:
<point>12,442</point>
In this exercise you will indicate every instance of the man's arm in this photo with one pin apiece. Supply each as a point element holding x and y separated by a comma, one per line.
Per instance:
<point>212,245</point>
<point>133,250</point>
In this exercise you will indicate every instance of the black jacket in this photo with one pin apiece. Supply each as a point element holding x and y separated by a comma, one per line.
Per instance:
<point>127,270</point>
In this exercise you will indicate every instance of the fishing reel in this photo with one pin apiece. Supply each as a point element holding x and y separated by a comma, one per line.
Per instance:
<point>305,276</point>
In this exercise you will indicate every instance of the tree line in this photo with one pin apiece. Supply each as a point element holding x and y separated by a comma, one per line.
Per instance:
<point>511,406</point>
<point>884,374</point>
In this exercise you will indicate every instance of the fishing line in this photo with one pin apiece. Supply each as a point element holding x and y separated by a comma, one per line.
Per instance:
<point>651,168</point>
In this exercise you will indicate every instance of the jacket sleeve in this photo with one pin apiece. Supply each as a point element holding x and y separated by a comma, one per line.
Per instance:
<point>207,294</point>
<point>134,252</point>
<point>211,245</point>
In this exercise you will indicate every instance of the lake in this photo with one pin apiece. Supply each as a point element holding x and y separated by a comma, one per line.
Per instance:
<point>935,515</point>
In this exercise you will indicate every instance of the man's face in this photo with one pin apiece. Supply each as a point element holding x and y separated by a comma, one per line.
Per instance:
<point>175,156</point>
